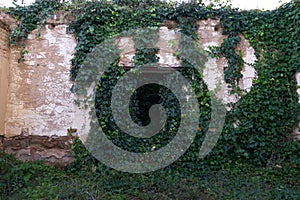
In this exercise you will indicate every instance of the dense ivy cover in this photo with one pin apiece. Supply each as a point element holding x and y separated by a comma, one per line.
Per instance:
<point>267,115</point>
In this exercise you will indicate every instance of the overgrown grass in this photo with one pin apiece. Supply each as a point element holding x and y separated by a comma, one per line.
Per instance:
<point>23,180</point>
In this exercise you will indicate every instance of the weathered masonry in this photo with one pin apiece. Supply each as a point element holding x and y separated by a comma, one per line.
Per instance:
<point>36,103</point>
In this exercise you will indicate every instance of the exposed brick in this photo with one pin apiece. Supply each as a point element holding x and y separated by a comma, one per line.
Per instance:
<point>50,150</point>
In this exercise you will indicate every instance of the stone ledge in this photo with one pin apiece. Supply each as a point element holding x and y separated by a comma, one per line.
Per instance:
<point>51,150</point>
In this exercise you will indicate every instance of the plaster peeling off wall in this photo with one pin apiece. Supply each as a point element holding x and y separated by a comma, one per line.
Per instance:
<point>40,101</point>
<point>248,71</point>
<point>297,75</point>
<point>168,43</point>
<point>297,129</point>
<point>210,35</point>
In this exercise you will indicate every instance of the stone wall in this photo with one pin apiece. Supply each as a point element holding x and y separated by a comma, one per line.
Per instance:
<point>4,70</point>
<point>39,96</point>
<point>36,103</point>
<point>210,34</point>
<point>7,23</point>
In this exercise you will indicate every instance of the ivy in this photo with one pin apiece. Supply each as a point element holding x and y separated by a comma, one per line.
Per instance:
<point>30,18</point>
<point>258,130</point>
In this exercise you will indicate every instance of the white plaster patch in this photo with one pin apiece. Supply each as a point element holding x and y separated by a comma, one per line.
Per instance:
<point>209,44</point>
<point>212,76</point>
<point>168,43</point>
<point>213,73</point>
<point>248,71</point>
<point>298,83</point>
<point>297,129</point>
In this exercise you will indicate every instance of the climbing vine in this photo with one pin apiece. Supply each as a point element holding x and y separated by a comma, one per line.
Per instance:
<point>259,127</point>
<point>30,18</point>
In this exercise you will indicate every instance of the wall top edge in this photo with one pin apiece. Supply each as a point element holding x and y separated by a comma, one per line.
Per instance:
<point>7,21</point>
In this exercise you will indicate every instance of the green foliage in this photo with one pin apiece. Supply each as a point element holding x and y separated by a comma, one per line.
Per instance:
<point>16,176</point>
<point>145,55</point>
<point>82,158</point>
<point>264,118</point>
<point>270,111</point>
<point>236,181</point>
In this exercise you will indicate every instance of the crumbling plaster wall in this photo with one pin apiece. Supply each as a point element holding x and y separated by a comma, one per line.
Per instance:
<point>39,96</point>
<point>35,95</point>
<point>7,23</point>
<point>210,34</point>
<point>39,99</point>
<point>36,101</point>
